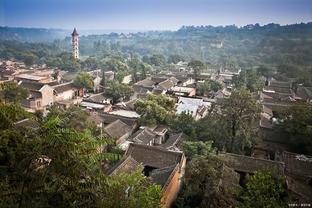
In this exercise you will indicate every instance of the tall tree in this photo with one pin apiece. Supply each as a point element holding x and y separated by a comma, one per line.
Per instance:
<point>118,90</point>
<point>185,123</point>
<point>295,125</point>
<point>230,122</point>
<point>84,80</point>
<point>197,66</point>
<point>208,184</point>
<point>208,86</point>
<point>239,112</point>
<point>249,79</point>
<point>11,92</point>
<point>263,190</point>
<point>59,167</point>
<point>156,109</point>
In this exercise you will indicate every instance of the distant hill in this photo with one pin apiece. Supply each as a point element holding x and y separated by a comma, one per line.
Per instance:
<point>32,34</point>
<point>48,35</point>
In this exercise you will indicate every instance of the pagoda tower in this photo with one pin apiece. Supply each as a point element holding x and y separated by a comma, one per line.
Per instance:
<point>75,44</point>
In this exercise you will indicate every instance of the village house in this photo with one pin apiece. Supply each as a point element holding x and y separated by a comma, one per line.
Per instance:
<point>127,79</point>
<point>97,106</point>
<point>65,91</point>
<point>164,168</point>
<point>182,91</point>
<point>144,136</point>
<point>304,93</point>
<point>32,78</point>
<point>108,118</point>
<point>174,142</point>
<point>40,96</point>
<point>118,130</point>
<point>193,106</point>
<point>298,170</point>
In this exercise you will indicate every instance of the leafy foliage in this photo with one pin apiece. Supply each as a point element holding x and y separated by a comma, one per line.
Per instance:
<point>197,66</point>
<point>185,123</point>
<point>296,126</point>
<point>263,190</point>
<point>193,149</point>
<point>208,86</point>
<point>156,109</point>
<point>11,92</point>
<point>84,80</point>
<point>57,166</point>
<point>229,124</point>
<point>118,90</point>
<point>248,79</point>
<point>203,188</point>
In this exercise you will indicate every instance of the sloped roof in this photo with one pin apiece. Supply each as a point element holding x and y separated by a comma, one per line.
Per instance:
<point>280,84</point>
<point>99,98</point>
<point>143,136</point>
<point>281,90</point>
<point>145,82</point>
<point>304,92</point>
<point>250,164</point>
<point>27,123</point>
<point>32,85</point>
<point>166,85</point>
<point>117,129</point>
<point>158,79</point>
<point>109,118</point>
<point>174,141</point>
<point>30,77</point>
<point>160,176</point>
<point>64,87</point>
<point>153,156</point>
<point>126,165</point>
<point>298,164</point>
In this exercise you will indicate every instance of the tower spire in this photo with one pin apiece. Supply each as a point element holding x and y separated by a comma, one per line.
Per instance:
<point>75,44</point>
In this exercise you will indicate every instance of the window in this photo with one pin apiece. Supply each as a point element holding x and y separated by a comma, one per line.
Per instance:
<point>38,104</point>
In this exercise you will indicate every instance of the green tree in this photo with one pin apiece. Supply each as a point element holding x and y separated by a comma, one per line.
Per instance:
<point>248,79</point>
<point>131,190</point>
<point>157,60</point>
<point>264,71</point>
<point>56,166</point>
<point>118,90</point>
<point>11,113</point>
<point>75,118</point>
<point>262,190</point>
<point>115,64</point>
<point>120,75</point>
<point>208,184</point>
<point>296,127</point>
<point>30,59</point>
<point>185,123</point>
<point>229,122</point>
<point>208,86</point>
<point>197,66</point>
<point>84,80</point>
<point>238,113</point>
<point>175,59</point>
<point>11,92</point>
<point>91,63</point>
<point>193,149</point>
<point>155,109</point>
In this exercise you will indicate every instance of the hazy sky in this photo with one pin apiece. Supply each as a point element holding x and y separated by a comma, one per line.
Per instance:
<point>150,14</point>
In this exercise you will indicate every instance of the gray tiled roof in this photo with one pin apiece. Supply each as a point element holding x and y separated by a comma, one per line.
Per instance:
<point>143,136</point>
<point>153,156</point>
<point>250,164</point>
<point>117,129</point>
